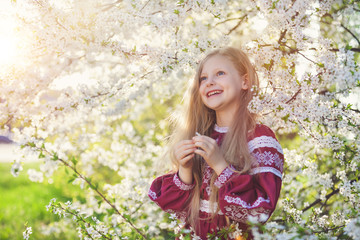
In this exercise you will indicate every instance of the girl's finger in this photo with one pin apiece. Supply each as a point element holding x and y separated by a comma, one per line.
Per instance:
<point>201,153</point>
<point>185,142</point>
<point>183,154</point>
<point>205,139</point>
<point>184,147</point>
<point>186,159</point>
<point>181,148</point>
<point>203,145</point>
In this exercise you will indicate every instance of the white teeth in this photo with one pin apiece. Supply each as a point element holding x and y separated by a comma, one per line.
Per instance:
<point>213,92</point>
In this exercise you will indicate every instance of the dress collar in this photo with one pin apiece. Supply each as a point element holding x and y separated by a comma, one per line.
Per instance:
<point>220,129</point>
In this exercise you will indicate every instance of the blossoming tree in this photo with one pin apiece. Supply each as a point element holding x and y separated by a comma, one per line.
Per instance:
<point>94,79</point>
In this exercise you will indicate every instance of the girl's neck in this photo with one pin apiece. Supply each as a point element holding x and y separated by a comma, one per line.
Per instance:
<point>224,119</point>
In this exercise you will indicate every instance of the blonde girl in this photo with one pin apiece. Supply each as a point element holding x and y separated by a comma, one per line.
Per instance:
<point>228,168</point>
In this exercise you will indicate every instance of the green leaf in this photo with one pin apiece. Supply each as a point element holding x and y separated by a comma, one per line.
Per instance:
<point>71,180</point>
<point>348,47</point>
<point>177,12</point>
<point>285,118</point>
<point>41,155</point>
<point>348,107</point>
<point>55,156</point>
<point>321,65</point>
<point>74,161</point>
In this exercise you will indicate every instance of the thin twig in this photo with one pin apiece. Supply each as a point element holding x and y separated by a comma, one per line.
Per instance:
<point>109,6</point>
<point>98,192</point>
<point>329,229</point>
<point>144,5</point>
<point>351,49</point>
<point>351,33</point>
<point>227,20</point>
<point>237,25</point>
<point>79,217</point>
<point>298,51</point>
<point>293,97</point>
<point>335,191</point>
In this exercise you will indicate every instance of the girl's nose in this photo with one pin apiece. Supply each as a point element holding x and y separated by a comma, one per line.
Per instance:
<point>210,81</point>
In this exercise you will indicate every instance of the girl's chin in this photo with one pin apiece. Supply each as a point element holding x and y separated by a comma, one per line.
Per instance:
<point>214,107</point>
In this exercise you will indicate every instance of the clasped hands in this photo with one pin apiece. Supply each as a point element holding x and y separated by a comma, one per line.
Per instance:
<point>204,146</point>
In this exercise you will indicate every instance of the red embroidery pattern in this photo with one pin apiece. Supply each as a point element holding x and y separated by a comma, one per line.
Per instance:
<point>152,195</point>
<point>264,141</point>
<point>223,177</point>
<point>181,185</point>
<point>205,207</point>
<point>266,169</point>
<point>268,158</point>
<point>242,203</point>
<point>241,214</point>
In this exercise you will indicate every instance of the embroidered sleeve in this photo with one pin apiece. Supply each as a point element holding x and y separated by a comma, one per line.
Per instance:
<point>224,176</point>
<point>171,194</point>
<point>267,152</point>
<point>180,184</point>
<point>253,196</point>
<point>245,196</point>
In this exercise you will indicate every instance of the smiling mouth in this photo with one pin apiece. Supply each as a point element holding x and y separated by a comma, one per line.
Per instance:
<point>212,93</point>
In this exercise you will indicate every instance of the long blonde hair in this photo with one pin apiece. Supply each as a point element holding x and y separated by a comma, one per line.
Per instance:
<point>199,118</point>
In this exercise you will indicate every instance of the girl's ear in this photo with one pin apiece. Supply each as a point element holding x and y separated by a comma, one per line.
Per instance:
<point>245,82</point>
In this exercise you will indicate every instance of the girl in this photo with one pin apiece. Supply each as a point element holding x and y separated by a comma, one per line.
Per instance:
<point>228,168</point>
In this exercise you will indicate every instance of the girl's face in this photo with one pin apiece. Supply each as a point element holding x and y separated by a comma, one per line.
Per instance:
<point>220,84</point>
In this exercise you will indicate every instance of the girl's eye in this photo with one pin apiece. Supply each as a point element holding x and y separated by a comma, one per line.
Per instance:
<point>203,79</point>
<point>220,73</point>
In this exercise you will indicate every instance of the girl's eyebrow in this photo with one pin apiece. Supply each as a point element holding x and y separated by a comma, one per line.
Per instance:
<point>218,69</point>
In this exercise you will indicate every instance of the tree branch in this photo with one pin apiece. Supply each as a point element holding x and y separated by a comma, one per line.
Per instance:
<point>96,190</point>
<point>334,191</point>
<point>237,25</point>
<point>228,20</point>
<point>352,34</point>
<point>82,220</point>
<point>330,229</point>
<point>110,5</point>
<point>144,5</point>
<point>351,49</point>
<point>293,97</point>
<point>298,51</point>
<point>343,26</point>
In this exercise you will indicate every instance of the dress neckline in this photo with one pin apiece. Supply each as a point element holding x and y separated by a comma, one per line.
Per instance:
<point>221,129</point>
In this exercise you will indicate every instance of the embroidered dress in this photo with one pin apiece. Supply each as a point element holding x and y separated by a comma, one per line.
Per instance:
<point>241,196</point>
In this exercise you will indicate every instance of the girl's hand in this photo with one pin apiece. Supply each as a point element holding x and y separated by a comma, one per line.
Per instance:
<point>184,153</point>
<point>210,151</point>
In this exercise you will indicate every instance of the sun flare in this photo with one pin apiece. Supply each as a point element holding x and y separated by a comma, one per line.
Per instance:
<point>8,39</point>
<point>8,49</point>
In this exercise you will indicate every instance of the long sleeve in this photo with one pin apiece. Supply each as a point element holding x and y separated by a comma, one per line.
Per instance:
<point>253,195</point>
<point>171,194</point>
